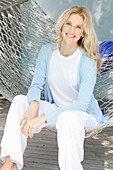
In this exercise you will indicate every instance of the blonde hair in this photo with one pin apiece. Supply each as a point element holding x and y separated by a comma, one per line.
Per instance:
<point>89,42</point>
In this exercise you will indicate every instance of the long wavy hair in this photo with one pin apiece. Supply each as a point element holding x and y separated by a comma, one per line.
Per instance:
<point>89,42</point>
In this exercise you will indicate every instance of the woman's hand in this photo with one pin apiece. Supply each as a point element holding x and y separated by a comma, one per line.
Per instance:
<point>31,112</point>
<point>32,124</point>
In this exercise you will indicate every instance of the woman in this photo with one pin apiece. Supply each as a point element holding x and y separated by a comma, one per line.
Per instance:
<point>68,69</point>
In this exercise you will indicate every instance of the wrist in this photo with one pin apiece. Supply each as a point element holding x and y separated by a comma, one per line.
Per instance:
<point>44,118</point>
<point>34,102</point>
<point>34,105</point>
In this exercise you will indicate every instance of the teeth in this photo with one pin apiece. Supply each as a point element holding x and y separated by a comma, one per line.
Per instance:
<point>70,35</point>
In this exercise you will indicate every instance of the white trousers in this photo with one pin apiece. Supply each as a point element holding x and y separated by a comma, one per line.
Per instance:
<point>70,127</point>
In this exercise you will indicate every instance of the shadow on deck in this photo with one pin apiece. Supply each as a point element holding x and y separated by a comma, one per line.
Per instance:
<point>41,152</point>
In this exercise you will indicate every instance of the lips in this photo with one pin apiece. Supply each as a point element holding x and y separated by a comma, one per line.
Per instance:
<point>70,35</point>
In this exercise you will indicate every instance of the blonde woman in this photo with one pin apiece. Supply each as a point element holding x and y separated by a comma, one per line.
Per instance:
<point>68,68</point>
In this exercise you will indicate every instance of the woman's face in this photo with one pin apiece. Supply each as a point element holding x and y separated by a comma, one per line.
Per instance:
<point>72,29</point>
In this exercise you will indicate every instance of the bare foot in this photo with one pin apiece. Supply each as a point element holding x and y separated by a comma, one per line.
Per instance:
<point>8,165</point>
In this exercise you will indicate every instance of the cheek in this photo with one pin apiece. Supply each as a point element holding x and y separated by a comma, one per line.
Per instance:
<point>80,32</point>
<point>64,28</point>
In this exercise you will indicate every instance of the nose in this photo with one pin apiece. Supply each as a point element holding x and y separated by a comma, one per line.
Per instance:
<point>72,30</point>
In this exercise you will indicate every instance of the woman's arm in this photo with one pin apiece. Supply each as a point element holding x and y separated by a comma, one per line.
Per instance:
<point>38,81</point>
<point>31,113</point>
<point>34,91</point>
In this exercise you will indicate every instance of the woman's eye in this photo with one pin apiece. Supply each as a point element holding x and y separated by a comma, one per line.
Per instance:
<point>68,23</point>
<point>79,27</point>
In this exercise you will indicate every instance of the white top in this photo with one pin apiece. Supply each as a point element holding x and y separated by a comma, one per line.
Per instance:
<point>62,77</point>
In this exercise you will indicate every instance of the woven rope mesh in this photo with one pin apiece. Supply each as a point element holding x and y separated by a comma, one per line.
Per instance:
<point>104,86</point>
<point>4,3</point>
<point>24,29</point>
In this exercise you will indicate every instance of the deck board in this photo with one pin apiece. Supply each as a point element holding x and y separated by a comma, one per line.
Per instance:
<point>41,152</point>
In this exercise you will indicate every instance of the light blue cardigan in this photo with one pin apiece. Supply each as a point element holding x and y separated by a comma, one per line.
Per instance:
<point>87,72</point>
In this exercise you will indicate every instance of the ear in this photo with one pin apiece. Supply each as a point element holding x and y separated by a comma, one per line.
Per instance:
<point>83,35</point>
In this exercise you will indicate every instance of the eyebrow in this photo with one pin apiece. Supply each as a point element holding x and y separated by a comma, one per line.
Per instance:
<point>77,24</point>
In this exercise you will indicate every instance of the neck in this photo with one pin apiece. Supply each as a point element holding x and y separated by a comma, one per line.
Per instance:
<point>67,49</point>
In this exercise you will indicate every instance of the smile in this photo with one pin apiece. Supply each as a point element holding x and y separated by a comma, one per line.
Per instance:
<point>70,35</point>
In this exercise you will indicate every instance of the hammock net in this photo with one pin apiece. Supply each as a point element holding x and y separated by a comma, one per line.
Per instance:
<point>24,29</point>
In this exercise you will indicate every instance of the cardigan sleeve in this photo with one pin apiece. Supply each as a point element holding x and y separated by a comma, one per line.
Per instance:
<point>87,78</point>
<point>38,81</point>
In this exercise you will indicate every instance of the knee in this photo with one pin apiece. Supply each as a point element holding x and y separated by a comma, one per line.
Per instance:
<point>68,126</point>
<point>66,121</point>
<point>20,99</point>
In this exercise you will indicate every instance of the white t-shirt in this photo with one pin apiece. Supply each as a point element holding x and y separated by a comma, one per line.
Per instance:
<point>62,77</point>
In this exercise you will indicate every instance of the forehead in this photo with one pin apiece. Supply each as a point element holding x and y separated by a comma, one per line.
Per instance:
<point>76,18</point>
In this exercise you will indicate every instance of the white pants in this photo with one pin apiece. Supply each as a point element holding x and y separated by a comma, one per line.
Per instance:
<point>70,127</point>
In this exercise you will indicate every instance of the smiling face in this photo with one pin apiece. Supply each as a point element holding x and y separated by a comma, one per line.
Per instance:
<point>72,29</point>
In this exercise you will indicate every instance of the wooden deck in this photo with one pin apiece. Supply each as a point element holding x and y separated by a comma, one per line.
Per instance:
<point>41,153</point>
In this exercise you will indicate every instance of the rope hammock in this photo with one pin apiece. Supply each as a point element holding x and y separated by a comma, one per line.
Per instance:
<point>24,29</point>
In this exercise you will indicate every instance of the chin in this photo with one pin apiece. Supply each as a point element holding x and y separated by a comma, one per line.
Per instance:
<point>70,42</point>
